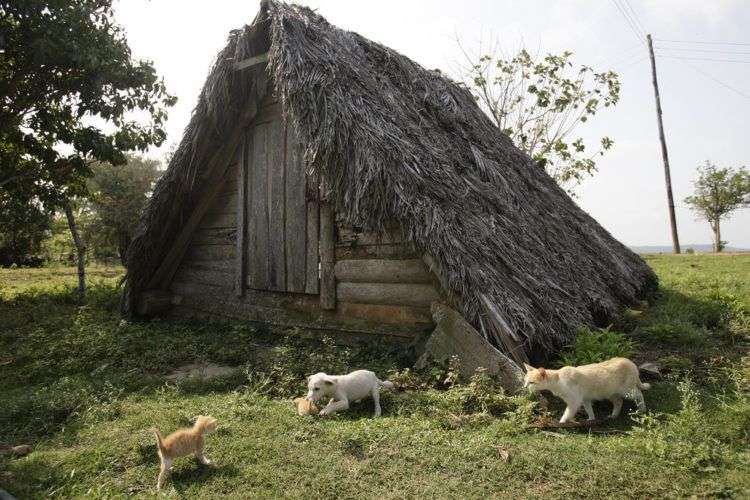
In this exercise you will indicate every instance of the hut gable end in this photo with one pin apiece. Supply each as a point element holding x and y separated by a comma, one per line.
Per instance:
<point>394,144</point>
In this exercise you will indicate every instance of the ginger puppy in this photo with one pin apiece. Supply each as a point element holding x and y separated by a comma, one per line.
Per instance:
<point>182,443</point>
<point>614,379</point>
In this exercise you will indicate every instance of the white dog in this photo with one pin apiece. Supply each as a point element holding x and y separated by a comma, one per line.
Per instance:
<point>342,389</point>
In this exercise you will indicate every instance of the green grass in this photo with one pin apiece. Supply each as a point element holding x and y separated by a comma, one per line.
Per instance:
<point>83,388</point>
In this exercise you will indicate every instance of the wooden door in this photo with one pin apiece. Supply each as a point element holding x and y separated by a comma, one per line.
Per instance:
<point>282,209</point>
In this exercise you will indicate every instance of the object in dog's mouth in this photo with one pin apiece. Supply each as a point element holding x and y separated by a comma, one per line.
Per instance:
<point>305,406</point>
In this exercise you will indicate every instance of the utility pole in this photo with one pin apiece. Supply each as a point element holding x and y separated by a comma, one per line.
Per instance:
<point>665,156</point>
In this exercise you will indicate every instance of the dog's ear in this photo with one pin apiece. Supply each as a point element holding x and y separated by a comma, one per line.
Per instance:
<point>542,372</point>
<point>528,367</point>
<point>329,382</point>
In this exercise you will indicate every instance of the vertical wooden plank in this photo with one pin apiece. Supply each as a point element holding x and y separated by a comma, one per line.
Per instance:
<point>258,276</point>
<point>276,206</point>
<point>327,260</point>
<point>313,225</point>
<point>296,215</point>
<point>241,256</point>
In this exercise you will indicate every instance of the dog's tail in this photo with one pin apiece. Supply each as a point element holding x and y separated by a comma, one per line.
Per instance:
<point>159,439</point>
<point>644,385</point>
<point>386,384</point>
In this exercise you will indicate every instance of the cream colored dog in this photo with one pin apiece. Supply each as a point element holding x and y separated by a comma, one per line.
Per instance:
<point>343,389</point>
<point>614,379</point>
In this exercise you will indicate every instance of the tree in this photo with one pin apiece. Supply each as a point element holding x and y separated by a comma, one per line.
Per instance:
<point>24,224</point>
<point>718,193</point>
<point>68,92</point>
<point>118,196</point>
<point>540,102</point>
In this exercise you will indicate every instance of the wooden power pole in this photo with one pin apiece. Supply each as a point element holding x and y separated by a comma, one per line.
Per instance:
<point>665,156</point>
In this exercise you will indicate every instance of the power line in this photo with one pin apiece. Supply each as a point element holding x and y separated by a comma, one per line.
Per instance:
<point>624,9</point>
<point>621,56</point>
<point>635,16</point>
<point>701,50</point>
<point>701,43</point>
<point>711,77</point>
<point>637,61</point>
<point>630,23</point>
<point>705,59</point>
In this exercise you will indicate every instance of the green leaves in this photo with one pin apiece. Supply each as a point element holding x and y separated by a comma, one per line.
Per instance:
<point>595,346</point>
<point>65,63</point>
<point>540,102</point>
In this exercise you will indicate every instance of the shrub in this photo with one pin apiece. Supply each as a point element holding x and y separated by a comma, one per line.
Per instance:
<point>594,346</point>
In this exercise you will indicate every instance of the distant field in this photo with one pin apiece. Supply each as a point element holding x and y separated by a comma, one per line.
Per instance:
<point>14,281</point>
<point>83,388</point>
<point>647,249</point>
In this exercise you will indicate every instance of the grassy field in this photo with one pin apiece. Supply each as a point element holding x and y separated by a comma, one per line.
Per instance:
<point>84,388</point>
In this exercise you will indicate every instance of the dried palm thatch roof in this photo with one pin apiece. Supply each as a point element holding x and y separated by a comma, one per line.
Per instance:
<point>393,140</point>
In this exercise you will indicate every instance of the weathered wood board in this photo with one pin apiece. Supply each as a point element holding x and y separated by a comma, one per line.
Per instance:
<point>388,293</point>
<point>383,271</point>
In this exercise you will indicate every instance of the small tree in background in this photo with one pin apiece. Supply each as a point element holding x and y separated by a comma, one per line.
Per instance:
<point>118,196</point>
<point>718,193</point>
<point>24,224</point>
<point>540,102</point>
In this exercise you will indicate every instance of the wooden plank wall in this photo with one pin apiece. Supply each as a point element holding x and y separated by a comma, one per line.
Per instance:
<point>382,285</point>
<point>211,254</point>
<point>381,276</point>
<point>282,224</point>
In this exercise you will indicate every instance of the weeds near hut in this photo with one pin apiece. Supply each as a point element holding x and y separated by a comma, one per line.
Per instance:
<point>593,345</point>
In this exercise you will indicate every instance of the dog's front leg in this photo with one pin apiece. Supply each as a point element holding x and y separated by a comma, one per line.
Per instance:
<point>376,399</point>
<point>334,406</point>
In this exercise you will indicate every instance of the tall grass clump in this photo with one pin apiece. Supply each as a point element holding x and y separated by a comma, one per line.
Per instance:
<point>593,345</point>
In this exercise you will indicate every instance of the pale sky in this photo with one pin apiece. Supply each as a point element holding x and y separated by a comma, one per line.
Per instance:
<point>703,118</point>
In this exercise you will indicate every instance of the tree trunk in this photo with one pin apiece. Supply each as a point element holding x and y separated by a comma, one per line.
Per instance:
<point>123,242</point>
<point>81,251</point>
<point>717,236</point>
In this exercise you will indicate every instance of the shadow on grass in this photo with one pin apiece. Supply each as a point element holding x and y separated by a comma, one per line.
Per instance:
<point>681,322</point>
<point>663,397</point>
<point>195,472</point>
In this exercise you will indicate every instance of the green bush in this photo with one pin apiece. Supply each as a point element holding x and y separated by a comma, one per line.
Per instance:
<point>594,346</point>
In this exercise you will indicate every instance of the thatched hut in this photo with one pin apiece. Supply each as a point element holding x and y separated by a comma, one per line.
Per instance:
<point>326,181</point>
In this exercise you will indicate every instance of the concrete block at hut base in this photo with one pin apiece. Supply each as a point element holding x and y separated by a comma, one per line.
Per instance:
<point>453,336</point>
